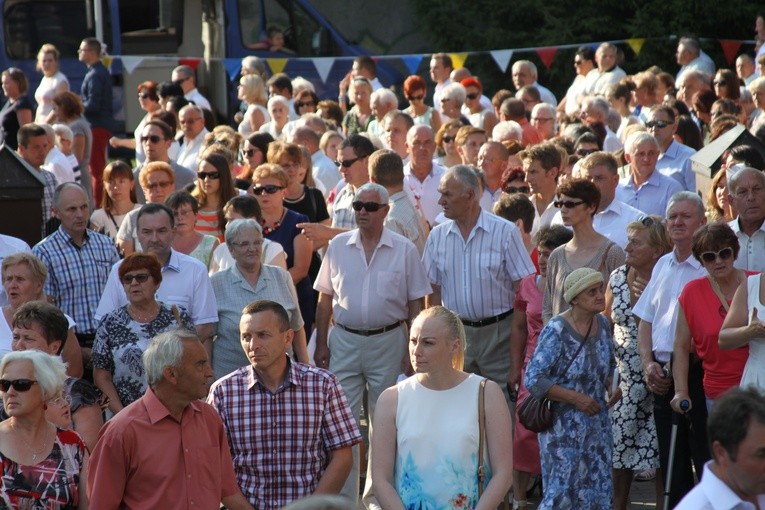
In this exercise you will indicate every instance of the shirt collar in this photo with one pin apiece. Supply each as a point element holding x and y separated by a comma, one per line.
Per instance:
<point>719,494</point>
<point>481,223</point>
<point>736,226</point>
<point>157,410</point>
<point>386,239</point>
<point>68,239</point>
<point>174,262</point>
<point>292,379</point>
<point>691,260</point>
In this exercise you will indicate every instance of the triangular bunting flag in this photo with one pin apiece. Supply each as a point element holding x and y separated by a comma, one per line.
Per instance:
<point>502,58</point>
<point>636,44</point>
<point>191,62</point>
<point>277,65</point>
<point>458,59</point>
<point>323,67</point>
<point>131,63</point>
<point>412,63</point>
<point>730,48</point>
<point>547,55</point>
<point>107,61</point>
<point>233,66</point>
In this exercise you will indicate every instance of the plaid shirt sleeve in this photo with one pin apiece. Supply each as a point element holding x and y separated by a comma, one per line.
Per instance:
<point>339,427</point>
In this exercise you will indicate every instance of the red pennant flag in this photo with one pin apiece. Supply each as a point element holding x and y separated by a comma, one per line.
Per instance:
<point>547,55</point>
<point>730,48</point>
<point>191,62</point>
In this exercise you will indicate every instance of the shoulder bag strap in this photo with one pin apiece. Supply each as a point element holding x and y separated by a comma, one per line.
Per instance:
<point>605,256</point>
<point>718,293</point>
<point>581,345</point>
<point>481,427</point>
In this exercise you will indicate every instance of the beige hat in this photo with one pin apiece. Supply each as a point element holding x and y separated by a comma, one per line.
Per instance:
<point>579,280</point>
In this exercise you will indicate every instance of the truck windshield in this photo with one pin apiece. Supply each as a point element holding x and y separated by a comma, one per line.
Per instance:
<point>302,33</point>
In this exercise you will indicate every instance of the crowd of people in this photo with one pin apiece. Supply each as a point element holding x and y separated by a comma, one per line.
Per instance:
<point>436,265</point>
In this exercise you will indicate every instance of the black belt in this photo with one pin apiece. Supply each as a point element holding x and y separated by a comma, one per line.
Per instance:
<point>485,322</point>
<point>371,332</point>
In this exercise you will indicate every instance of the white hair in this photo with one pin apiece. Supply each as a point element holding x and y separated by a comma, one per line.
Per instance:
<point>381,192</point>
<point>63,132</point>
<point>385,96</point>
<point>164,350</point>
<point>278,99</point>
<point>454,91</point>
<point>50,371</point>
<point>638,138</point>
<point>507,130</point>
<point>299,84</point>
<point>235,227</point>
<point>528,64</point>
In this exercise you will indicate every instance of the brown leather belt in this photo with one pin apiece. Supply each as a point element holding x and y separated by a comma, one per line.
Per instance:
<point>485,322</point>
<point>371,332</point>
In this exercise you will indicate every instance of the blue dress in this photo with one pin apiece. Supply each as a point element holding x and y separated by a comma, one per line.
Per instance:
<point>285,235</point>
<point>576,451</point>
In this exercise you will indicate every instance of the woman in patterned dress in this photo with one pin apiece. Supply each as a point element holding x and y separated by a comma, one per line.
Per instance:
<point>125,333</point>
<point>634,431</point>
<point>43,466</point>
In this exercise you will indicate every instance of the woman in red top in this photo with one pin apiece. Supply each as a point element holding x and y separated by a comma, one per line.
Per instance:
<point>704,304</point>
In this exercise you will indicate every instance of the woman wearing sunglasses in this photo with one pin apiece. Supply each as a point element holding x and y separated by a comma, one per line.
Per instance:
<point>415,90</point>
<point>43,466</point>
<point>186,239</point>
<point>125,333</point>
<point>578,200</point>
<point>214,187</point>
<point>269,184</point>
<point>703,307</point>
<point>480,117</point>
<point>148,100</point>
<point>447,147</point>
<point>41,326</point>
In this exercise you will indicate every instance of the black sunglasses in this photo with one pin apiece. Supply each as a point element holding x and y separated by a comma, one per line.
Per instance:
<point>301,104</point>
<point>208,175</point>
<point>517,189</point>
<point>448,139</point>
<point>711,256</point>
<point>151,138</point>
<point>415,98</point>
<point>268,188</point>
<point>568,204</point>
<point>250,152</point>
<point>17,384</point>
<point>347,162</point>
<point>585,152</point>
<point>472,96</point>
<point>369,206</point>
<point>140,278</point>
<point>144,95</point>
<point>656,123</point>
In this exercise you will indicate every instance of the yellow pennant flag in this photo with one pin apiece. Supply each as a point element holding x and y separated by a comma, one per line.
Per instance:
<point>107,61</point>
<point>636,44</point>
<point>277,65</point>
<point>458,59</point>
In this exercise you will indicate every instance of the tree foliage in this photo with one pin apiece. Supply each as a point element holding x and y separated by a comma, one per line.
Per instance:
<point>478,25</point>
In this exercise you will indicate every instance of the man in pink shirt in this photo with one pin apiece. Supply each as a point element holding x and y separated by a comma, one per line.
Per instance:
<point>168,449</point>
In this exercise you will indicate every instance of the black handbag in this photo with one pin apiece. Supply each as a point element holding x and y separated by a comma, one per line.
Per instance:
<point>536,414</point>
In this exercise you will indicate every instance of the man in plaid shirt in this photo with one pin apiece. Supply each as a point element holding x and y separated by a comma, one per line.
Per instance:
<point>289,425</point>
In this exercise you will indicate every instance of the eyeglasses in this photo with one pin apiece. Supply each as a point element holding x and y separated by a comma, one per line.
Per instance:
<point>568,204</point>
<point>585,152</point>
<point>661,124</point>
<point>717,83</point>
<point>144,95</point>
<point>301,104</point>
<point>250,152</point>
<point>140,278</point>
<point>415,98</point>
<point>472,95</point>
<point>61,400</point>
<point>448,139</point>
<point>369,206</point>
<point>711,256</point>
<point>246,245</point>
<point>347,162</point>
<point>268,188</point>
<point>516,189</point>
<point>208,175</point>
<point>158,185</point>
<point>151,138</point>
<point>17,384</point>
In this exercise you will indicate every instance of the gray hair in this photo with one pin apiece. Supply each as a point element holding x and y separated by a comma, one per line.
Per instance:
<point>416,129</point>
<point>385,96</point>
<point>637,139</point>
<point>194,108</point>
<point>690,44</point>
<point>507,130</point>
<point>185,71</point>
<point>758,84</point>
<point>63,132</point>
<point>454,91</point>
<point>236,227</point>
<point>466,176</point>
<point>544,106</point>
<point>60,189</point>
<point>300,84</point>
<point>528,64</point>
<point>50,371</point>
<point>382,193</point>
<point>686,196</point>
<point>278,99</point>
<point>164,350</point>
<point>596,102</point>
<point>254,65</point>
<point>736,176</point>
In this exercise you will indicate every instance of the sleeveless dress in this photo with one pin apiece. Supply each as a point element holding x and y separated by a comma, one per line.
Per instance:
<point>754,370</point>
<point>437,445</point>
<point>204,250</point>
<point>636,446</point>
<point>425,119</point>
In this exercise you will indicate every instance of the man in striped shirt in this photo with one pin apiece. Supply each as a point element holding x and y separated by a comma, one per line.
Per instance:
<point>474,263</point>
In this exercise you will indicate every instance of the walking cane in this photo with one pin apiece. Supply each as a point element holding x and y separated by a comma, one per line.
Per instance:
<point>684,406</point>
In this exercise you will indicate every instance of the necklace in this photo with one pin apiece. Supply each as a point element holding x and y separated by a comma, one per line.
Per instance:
<point>143,318</point>
<point>29,447</point>
<point>270,229</point>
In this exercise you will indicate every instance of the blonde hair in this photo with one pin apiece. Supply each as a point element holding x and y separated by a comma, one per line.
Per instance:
<point>267,170</point>
<point>253,89</point>
<point>454,329</point>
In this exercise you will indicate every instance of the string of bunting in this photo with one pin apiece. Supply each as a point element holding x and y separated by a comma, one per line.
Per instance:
<point>412,62</point>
